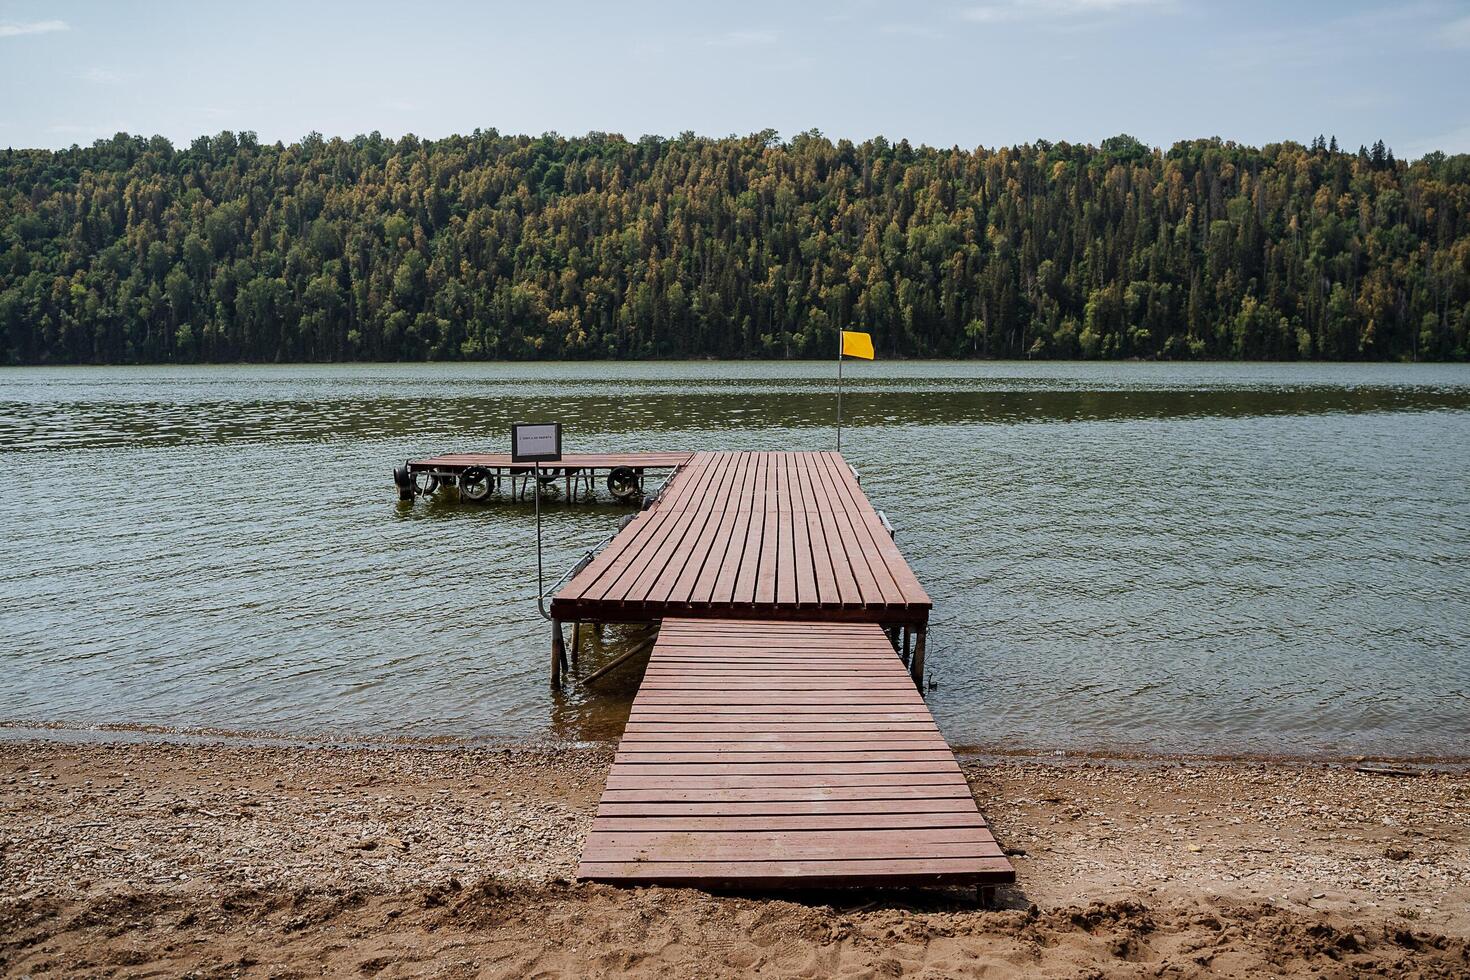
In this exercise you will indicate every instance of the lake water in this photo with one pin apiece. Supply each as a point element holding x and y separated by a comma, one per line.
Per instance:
<point>1196,558</point>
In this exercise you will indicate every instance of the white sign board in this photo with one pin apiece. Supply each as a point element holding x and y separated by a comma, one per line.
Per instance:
<point>535,442</point>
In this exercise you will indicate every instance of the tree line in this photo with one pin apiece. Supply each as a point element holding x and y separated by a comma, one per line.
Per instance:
<point>493,246</point>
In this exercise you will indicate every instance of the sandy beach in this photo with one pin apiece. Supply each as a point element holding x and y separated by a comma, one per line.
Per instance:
<point>231,858</point>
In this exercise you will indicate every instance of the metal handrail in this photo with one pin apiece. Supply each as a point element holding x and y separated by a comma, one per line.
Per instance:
<point>591,552</point>
<point>581,563</point>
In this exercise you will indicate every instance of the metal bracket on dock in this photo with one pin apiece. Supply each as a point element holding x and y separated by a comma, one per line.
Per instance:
<point>887,526</point>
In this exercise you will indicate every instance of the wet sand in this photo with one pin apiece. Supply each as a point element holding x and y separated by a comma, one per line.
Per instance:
<point>238,859</point>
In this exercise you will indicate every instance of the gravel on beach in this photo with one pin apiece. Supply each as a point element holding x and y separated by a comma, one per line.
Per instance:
<point>233,858</point>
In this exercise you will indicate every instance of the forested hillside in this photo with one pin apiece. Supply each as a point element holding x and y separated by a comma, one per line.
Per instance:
<point>507,247</point>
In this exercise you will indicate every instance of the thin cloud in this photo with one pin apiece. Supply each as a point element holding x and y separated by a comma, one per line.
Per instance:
<point>96,131</point>
<point>1338,41</point>
<point>912,30</point>
<point>9,29</point>
<point>102,76</point>
<point>1456,34</point>
<point>744,39</point>
<point>1451,142</point>
<point>1008,11</point>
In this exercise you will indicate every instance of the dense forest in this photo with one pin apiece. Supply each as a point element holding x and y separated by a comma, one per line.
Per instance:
<point>515,247</point>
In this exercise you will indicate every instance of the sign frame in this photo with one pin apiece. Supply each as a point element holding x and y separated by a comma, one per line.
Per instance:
<point>516,456</point>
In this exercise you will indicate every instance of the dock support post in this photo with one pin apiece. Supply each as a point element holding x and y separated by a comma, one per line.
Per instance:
<point>558,652</point>
<point>916,666</point>
<point>905,651</point>
<point>986,896</point>
<point>576,640</point>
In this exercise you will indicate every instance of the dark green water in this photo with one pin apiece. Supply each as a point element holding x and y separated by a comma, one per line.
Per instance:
<point>1269,558</point>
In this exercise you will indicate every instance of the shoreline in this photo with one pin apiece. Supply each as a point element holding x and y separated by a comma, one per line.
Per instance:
<point>717,359</point>
<point>226,858</point>
<point>138,732</point>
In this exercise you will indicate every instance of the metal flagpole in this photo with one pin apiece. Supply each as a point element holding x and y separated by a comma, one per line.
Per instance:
<point>540,589</point>
<point>839,391</point>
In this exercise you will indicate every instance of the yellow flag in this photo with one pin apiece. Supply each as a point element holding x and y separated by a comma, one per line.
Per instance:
<point>856,344</point>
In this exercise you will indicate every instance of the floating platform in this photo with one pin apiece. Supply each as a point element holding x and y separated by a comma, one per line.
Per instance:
<point>765,754</point>
<point>761,535</point>
<point>480,477</point>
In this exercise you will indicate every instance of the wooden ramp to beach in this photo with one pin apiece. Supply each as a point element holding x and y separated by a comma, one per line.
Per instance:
<point>766,754</point>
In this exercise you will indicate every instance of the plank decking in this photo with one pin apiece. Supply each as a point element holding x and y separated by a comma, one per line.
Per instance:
<point>766,754</point>
<point>772,535</point>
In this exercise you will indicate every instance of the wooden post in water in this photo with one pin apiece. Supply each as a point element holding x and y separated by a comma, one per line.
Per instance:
<point>917,665</point>
<point>558,652</point>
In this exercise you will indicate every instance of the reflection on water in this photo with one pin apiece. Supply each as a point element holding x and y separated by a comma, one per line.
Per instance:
<point>116,407</point>
<point>1175,557</point>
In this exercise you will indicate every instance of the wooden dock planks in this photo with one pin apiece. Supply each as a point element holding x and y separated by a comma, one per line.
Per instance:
<point>759,534</point>
<point>766,754</point>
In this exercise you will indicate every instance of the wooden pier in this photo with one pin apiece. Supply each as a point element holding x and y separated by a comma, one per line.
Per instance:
<point>763,754</point>
<point>779,737</point>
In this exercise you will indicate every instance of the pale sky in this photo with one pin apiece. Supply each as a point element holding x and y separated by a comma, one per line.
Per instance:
<point>969,72</point>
